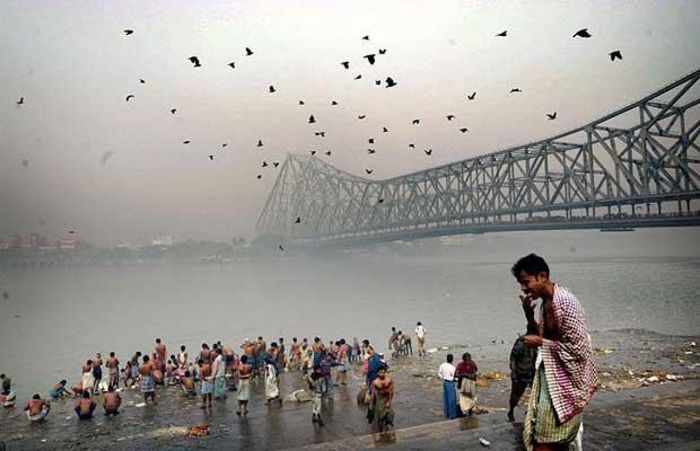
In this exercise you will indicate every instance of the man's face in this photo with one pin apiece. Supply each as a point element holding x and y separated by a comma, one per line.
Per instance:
<point>532,285</point>
<point>381,374</point>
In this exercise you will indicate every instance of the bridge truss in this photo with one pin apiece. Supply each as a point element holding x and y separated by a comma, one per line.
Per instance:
<point>639,165</point>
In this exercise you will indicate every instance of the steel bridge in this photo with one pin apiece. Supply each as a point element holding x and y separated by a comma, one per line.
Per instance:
<point>636,167</point>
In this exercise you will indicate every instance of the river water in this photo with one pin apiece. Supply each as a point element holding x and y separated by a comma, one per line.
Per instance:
<point>460,288</point>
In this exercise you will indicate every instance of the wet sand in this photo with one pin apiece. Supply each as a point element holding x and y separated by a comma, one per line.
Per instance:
<point>417,402</point>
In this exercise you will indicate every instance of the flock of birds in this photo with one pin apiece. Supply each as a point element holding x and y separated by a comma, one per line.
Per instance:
<point>388,82</point>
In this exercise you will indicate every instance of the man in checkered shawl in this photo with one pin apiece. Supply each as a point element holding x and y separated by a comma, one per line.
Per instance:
<point>565,377</point>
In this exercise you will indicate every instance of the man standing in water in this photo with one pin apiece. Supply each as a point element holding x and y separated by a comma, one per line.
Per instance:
<point>97,372</point>
<point>382,397</point>
<point>161,352</point>
<point>420,336</point>
<point>244,373</point>
<point>565,375</point>
<point>148,385</point>
<point>112,365</point>
<point>207,382</point>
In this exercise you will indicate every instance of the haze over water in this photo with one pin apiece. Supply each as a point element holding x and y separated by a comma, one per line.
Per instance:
<point>460,288</point>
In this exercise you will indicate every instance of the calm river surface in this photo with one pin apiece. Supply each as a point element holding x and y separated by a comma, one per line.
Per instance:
<point>460,288</point>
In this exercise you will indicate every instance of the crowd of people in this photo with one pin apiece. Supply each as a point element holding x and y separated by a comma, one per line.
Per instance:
<point>554,358</point>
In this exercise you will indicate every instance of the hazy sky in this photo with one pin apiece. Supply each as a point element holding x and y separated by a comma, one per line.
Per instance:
<point>74,66</point>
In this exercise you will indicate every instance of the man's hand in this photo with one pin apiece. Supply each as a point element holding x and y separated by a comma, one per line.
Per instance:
<point>526,301</point>
<point>533,341</point>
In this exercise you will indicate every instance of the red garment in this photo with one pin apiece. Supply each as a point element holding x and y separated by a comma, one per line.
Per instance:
<point>466,369</point>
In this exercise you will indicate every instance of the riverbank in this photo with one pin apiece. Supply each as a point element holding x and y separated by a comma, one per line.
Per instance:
<point>627,360</point>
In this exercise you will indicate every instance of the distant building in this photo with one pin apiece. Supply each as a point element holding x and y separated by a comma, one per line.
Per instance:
<point>163,240</point>
<point>67,244</point>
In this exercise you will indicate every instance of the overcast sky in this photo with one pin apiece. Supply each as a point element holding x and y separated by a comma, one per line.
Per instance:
<point>74,67</point>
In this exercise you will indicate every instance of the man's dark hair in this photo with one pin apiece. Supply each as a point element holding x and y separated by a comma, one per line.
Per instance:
<point>218,350</point>
<point>466,356</point>
<point>158,340</point>
<point>36,396</point>
<point>531,264</point>
<point>86,394</point>
<point>146,358</point>
<point>182,348</point>
<point>187,373</point>
<point>316,339</point>
<point>244,359</point>
<point>63,381</point>
<point>200,362</point>
<point>419,323</point>
<point>365,342</point>
<point>111,354</point>
<point>450,358</point>
<point>89,362</point>
<point>2,376</point>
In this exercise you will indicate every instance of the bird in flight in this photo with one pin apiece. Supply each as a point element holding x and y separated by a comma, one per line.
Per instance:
<point>297,220</point>
<point>411,146</point>
<point>365,38</point>
<point>370,58</point>
<point>280,248</point>
<point>186,142</point>
<point>415,122</point>
<point>321,134</point>
<point>211,157</point>
<point>271,89</point>
<point>390,83</point>
<point>385,130</point>
<point>369,171</point>
<point>275,163</point>
<point>264,164</point>
<point>382,51</point>
<point>428,152</point>
<point>128,32</point>
<point>358,77</point>
<point>471,97</point>
<point>450,117</point>
<point>346,64</point>
<point>377,82</point>
<point>552,116</point>
<point>248,52</point>
<point>259,176</point>
<point>464,130</point>
<point>106,156</point>
<point>173,111</point>
<point>142,81</point>
<point>334,103</point>
<point>232,64</point>
<point>260,144</point>
<point>371,140</point>
<point>129,97</point>
<point>615,55</point>
<point>301,102</point>
<point>371,151</point>
<point>224,145</point>
<point>362,116</point>
<point>380,200</point>
<point>194,60</point>
<point>312,119</point>
<point>516,90</point>
<point>328,153</point>
<point>582,33</point>
<point>20,101</point>
<point>313,152</point>
<point>503,33</point>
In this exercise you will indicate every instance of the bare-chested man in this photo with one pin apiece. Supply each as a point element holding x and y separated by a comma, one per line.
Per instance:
<point>6,384</point>
<point>112,365</point>
<point>148,386</point>
<point>382,398</point>
<point>97,372</point>
<point>295,355</point>
<point>207,382</point>
<point>85,406</point>
<point>37,408</point>
<point>162,352</point>
<point>205,353</point>
<point>187,385</point>
<point>249,351</point>
<point>112,402</point>
<point>182,358</point>
<point>260,350</point>
<point>245,371</point>
<point>319,350</point>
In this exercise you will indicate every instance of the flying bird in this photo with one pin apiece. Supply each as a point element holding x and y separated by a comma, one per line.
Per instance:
<point>271,89</point>
<point>515,90</point>
<point>464,130</point>
<point>194,60</point>
<point>211,157</point>
<point>224,145</point>
<point>186,142</point>
<point>503,33</point>
<point>358,77</point>
<point>328,153</point>
<point>232,64</point>
<point>369,171</point>
<point>129,97</point>
<point>264,164</point>
<point>260,144</point>
<point>297,220</point>
<point>248,52</point>
<point>385,130</point>
<point>471,97</point>
<point>582,33</point>
<point>301,102</point>
<point>173,111</point>
<point>142,81</point>
<point>615,55</point>
<point>334,102</point>
<point>106,156</point>
<point>280,248</point>
<point>313,152</point>
<point>552,116</point>
<point>415,122</point>
<point>128,32</point>
<point>411,146</point>
<point>362,116</point>
<point>382,51</point>
<point>25,162</point>
<point>380,200</point>
<point>20,101</point>
<point>428,152</point>
<point>259,176</point>
<point>371,151</point>
<point>370,58</point>
<point>275,163</point>
<point>365,38</point>
<point>346,64</point>
<point>321,134</point>
<point>371,140</point>
<point>312,119</point>
<point>390,83</point>
<point>377,82</point>
<point>450,117</point>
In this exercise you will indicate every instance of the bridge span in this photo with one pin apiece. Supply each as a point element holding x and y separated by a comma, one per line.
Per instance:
<point>636,167</point>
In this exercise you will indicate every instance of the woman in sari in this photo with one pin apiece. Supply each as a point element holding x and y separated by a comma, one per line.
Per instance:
<point>466,384</point>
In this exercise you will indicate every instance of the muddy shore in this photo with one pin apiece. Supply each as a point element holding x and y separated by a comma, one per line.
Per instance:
<point>627,359</point>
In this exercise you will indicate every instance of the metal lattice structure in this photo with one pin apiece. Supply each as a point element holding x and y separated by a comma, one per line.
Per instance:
<point>644,155</point>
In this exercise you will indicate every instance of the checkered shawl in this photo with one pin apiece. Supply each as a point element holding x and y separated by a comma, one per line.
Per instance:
<point>569,363</point>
